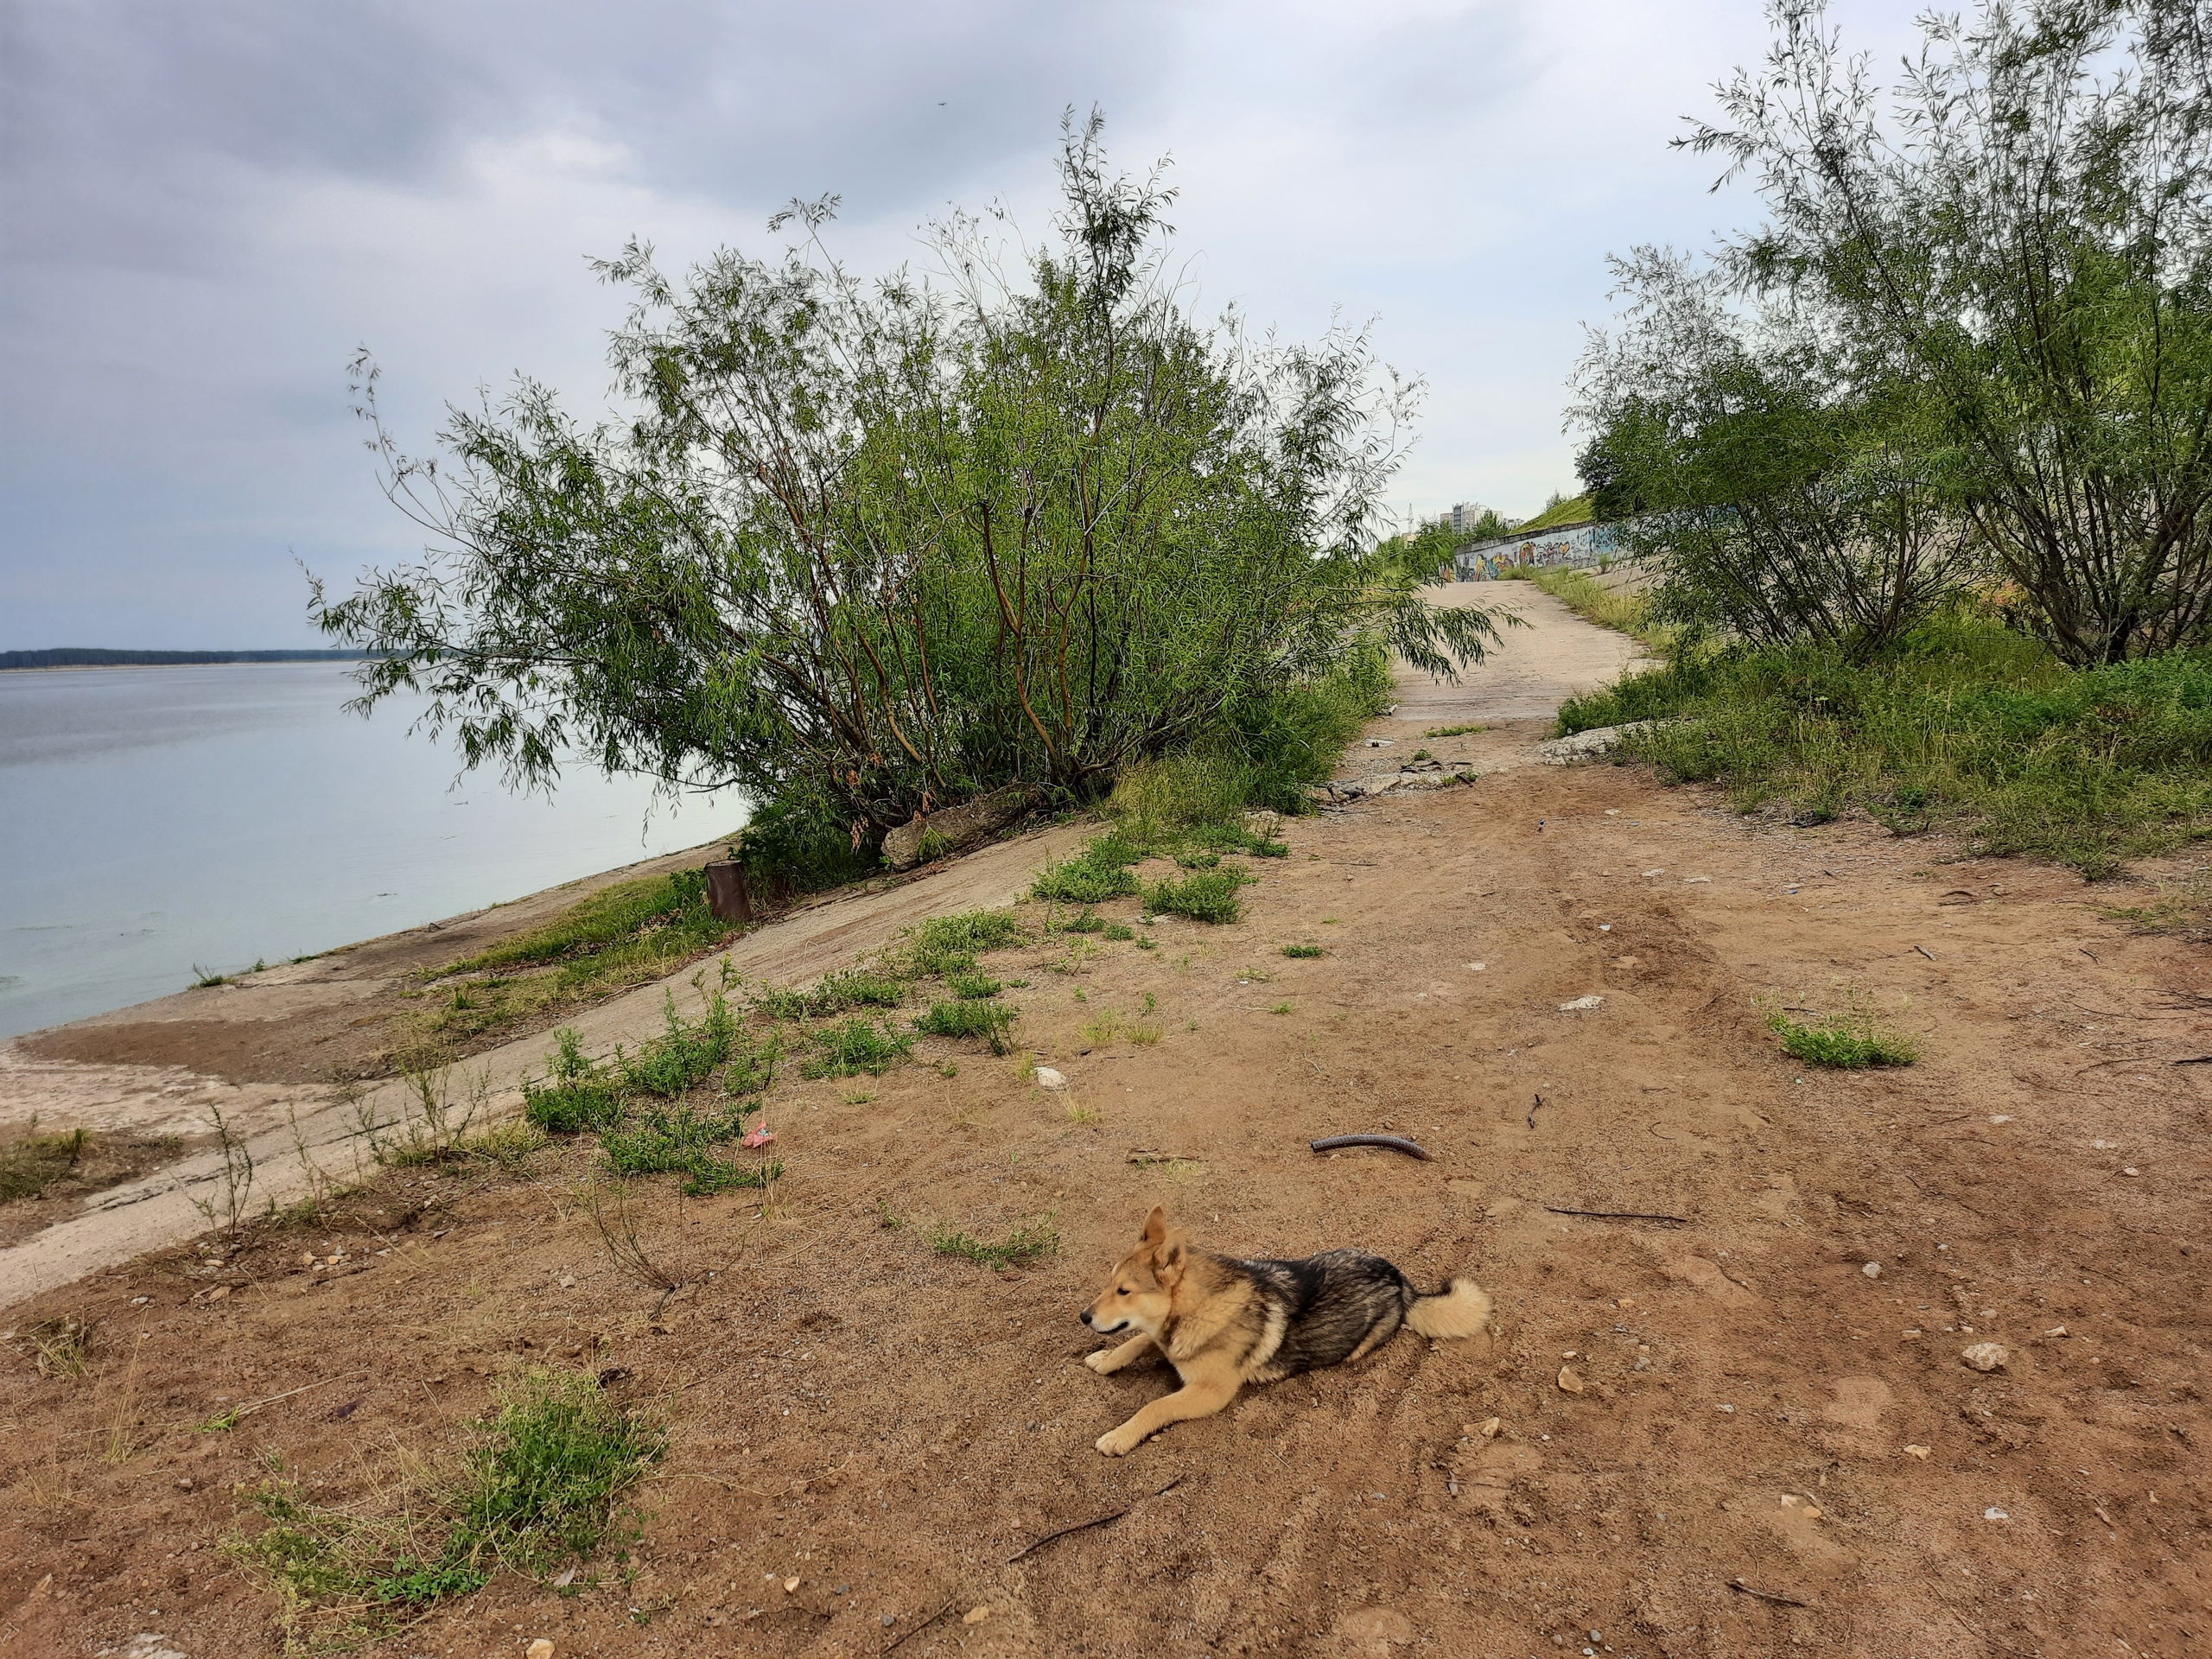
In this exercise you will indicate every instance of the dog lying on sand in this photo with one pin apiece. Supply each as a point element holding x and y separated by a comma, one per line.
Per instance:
<point>1223,1323</point>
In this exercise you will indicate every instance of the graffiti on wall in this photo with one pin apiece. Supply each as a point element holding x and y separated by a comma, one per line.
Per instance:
<point>1574,545</point>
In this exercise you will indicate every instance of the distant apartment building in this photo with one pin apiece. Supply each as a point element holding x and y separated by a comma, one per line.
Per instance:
<point>1465,515</point>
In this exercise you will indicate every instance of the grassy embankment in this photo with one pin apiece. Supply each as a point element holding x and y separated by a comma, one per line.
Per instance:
<point>626,935</point>
<point>1967,727</point>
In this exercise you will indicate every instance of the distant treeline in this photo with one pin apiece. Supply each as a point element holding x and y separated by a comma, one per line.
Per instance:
<point>85,656</point>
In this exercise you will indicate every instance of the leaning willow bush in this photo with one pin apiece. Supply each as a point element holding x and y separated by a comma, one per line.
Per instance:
<point>864,548</point>
<point>1975,328</point>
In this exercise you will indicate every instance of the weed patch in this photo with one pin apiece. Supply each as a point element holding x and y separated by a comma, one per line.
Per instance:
<point>855,1044</point>
<point>543,1486</point>
<point>577,1094</point>
<point>944,945</point>
<point>685,1054</point>
<point>1301,950</point>
<point>1209,896</point>
<point>1084,882</point>
<point>1023,1247</point>
<point>667,1140</point>
<point>970,1017</point>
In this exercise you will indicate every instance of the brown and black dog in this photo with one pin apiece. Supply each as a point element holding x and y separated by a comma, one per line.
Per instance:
<point>1222,1322</point>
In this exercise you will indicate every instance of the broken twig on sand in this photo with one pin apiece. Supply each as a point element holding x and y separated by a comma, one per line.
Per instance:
<point>1085,1526</point>
<point>924,1625</point>
<point>1767,1595</point>
<point>1393,1142</point>
<point>1619,1215</point>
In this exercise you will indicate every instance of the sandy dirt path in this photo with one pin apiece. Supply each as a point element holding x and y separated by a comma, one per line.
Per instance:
<point>1716,1432</point>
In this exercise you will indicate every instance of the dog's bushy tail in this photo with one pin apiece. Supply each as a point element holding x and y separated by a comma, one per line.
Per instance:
<point>1460,1309</point>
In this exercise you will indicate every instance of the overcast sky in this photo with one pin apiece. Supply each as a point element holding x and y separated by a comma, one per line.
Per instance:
<point>206,207</point>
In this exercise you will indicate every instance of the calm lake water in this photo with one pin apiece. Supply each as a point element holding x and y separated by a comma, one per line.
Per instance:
<point>152,819</point>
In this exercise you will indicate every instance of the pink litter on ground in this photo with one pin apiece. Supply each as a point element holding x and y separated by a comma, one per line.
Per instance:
<point>757,1139</point>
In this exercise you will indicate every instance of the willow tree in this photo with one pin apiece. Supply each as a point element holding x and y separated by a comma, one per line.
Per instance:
<point>869,547</point>
<point>2022,233</point>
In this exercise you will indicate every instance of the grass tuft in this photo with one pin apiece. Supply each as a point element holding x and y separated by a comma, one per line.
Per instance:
<point>1845,1042</point>
<point>1301,950</point>
<point>61,1351</point>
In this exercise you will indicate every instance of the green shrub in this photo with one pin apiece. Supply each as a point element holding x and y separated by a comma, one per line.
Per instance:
<point>992,1022</point>
<point>856,1044</point>
<point>1301,950</point>
<point>1209,896</point>
<point>973,987</point>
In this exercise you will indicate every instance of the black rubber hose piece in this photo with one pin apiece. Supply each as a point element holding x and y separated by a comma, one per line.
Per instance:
<point>1393,1142</point>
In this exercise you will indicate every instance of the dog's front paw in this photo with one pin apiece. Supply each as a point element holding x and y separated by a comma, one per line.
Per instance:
<point>1119,1443</point>
<point>1102,1362</point>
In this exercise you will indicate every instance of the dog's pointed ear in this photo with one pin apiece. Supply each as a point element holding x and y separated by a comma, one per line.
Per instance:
<point>1156,1226</point>
<point>1168,1262</point>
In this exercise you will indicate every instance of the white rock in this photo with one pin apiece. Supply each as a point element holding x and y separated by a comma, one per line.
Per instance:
<point>1048,1078</point>
<point>1583,1004</point>
<point>1992,1513</point>
<point>1987,1356</point>
<point>1872,1270</point>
